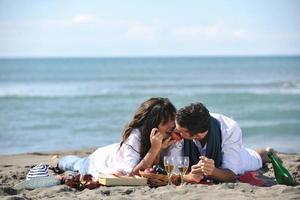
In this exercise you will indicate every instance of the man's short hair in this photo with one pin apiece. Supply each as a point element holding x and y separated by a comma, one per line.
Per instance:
<point>194,117</point>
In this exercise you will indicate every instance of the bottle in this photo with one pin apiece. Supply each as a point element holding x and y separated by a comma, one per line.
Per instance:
<point>282,175</point>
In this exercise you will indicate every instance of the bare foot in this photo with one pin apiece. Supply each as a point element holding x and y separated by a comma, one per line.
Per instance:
<point>54,164</point>
<point>54,161</point>
<point>264,154</point>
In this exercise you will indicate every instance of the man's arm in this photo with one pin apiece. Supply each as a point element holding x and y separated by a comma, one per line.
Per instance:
<point>223,175</point>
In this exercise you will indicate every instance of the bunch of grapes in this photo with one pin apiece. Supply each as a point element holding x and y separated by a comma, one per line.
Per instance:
<point>156,169</point>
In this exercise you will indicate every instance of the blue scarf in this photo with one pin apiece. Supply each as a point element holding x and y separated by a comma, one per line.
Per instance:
<point>213,147</point>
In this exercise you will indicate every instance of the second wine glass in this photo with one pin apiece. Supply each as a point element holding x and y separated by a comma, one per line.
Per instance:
<point>183,165</point>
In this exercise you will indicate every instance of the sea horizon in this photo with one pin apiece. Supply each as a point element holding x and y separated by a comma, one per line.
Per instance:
<point>149,56</point>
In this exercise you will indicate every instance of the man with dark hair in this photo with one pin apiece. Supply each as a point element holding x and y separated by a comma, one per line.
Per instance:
<point>213,142</point>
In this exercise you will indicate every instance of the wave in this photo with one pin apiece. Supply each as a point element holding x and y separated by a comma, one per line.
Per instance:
<point>219,84</point>
<point>148,93</point>
<point>96,89</point>
<point>273,123</point>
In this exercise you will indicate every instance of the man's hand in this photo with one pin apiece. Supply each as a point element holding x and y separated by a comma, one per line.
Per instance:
<point>193,178</point>
<point>205,166</point>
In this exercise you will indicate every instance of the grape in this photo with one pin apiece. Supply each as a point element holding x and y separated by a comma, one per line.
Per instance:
<point>159,170</point>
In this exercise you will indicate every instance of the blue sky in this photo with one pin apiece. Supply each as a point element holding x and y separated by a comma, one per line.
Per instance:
<point>97,28</point>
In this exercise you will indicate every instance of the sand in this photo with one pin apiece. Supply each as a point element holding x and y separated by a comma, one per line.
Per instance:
<point>13,170</point>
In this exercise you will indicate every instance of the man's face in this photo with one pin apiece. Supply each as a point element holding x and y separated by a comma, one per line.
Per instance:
<point>185,133</point>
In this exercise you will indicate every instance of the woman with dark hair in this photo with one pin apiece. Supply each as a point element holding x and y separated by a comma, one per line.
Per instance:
<point>142,141</point>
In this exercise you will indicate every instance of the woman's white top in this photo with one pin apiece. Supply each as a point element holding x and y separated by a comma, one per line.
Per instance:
<point>110,159</point>
<point>235,157</point>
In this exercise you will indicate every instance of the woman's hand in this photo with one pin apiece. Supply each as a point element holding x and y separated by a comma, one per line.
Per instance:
<point>167,142</point>
<point>156,139</point>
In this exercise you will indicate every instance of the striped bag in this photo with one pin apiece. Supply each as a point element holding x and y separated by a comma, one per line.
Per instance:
<point>40,170</point>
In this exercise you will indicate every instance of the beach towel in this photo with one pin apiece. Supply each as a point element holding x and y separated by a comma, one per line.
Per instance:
<point>251,177</point>
<point>257,178</point>
<point>39,182</point>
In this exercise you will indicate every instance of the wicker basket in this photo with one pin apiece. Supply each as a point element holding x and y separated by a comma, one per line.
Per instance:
<point>155,180</point>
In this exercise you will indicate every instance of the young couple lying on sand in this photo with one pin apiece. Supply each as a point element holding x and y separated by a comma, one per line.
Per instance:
<point>213,142</point>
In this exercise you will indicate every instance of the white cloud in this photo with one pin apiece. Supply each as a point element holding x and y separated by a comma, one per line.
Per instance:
<point>197,31</point>
<point>142,31</point>
<point>214,32</point>
<point>238,33</point>
<point>82,19</point>
<point>286,36</point>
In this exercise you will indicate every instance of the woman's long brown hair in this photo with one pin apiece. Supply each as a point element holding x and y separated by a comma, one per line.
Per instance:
<point>149,115</point>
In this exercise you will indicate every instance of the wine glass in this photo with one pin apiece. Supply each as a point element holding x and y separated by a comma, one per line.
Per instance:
<point>169,163</point>
<point>182,164</point>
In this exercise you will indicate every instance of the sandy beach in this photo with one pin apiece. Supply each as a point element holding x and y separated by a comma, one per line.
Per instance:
<point>13,170</point>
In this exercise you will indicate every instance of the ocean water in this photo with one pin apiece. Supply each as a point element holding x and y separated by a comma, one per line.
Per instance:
<point>60,104</point>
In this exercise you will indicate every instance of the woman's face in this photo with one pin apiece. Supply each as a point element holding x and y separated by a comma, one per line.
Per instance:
<point>166,128</point>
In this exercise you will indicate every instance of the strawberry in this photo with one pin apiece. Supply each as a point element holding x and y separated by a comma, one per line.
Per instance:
<point>149,170</point>
<point>176,136</point>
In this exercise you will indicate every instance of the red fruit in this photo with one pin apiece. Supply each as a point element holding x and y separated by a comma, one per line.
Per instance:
<point>176,136</point>
<point>149,170</point>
